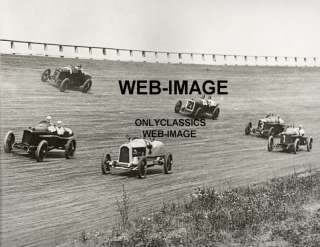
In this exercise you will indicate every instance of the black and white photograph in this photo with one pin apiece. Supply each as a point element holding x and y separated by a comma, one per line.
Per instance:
<point>159,123</point>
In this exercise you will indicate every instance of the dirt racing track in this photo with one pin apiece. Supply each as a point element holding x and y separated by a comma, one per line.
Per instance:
<point>48,203</point>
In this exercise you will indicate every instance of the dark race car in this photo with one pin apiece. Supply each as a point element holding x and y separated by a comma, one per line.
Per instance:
<point>289,140</point>
<point>38,140</point>
<point>197,108</point>
<point>270,125</point>
<point>71,77</point>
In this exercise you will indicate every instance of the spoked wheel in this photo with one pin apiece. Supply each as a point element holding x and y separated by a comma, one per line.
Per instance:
<point>142,168</point>
<point>105,164</point>
<point>296,146</point>
<point>247,130</point>
<point>178,106</point>
<point>86,86</point>
<point>45,75</point>
<point>167,165</point>
<point>271,132</point>
<point>198,114</point>
<point>41,150</point>
<point>8,142</point>
<point>215,113</point>
<point>270,143</point>
<point>309,144</point>
<point>70,148</point>
<point>64,85</point>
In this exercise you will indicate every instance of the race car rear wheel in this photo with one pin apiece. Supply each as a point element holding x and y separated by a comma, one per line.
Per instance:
<point>46,75</point>
<point>70,148</point>
<point>270,143</point>
<point>168,162</point>
<point>8,142</point>
<point>247,130</point>
<point>41,151</point>
<point>105,164</point>
<point>142,168</point>
<point>215,113</point>
<point>64,85</point>
<point>296,146</point>
<point>86,86</point>
<point>177,107</point>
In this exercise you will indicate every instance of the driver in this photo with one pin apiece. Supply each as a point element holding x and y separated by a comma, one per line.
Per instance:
<point>300,130</point>
<point>60,129</point>
<point>211,101</point>
<point>51,127</point>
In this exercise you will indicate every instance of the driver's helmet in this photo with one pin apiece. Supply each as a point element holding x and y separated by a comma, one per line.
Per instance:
<point>202,96</point>
<point>300,126</point>
<point>48,119</point>
<point>78,66</point>
<point>59,123</point>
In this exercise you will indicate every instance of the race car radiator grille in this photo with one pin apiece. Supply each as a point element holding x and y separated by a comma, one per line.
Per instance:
<point>27,137</point>
<point>124,155</point>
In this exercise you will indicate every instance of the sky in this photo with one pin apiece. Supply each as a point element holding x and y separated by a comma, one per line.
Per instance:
<point>247,27</point>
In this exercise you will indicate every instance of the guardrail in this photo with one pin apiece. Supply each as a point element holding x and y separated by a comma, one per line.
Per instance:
<point>19,47</point>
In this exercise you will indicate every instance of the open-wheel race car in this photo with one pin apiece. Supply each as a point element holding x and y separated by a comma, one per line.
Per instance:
<point>290,141</point>
<point>71,77</point>
<point>137,155</point>
<point>198,108</point>
<point>270,125</point>
<point>38,141</point>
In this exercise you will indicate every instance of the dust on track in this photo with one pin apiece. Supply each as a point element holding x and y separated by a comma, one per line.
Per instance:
<point>44,204</point>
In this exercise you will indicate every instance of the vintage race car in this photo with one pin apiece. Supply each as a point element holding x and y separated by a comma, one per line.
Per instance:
<point>137,155</point>
<point>197,108</point>
<point>289,140</point>
<point>37,141</point>
<point>270,125</point>
<point>68,78</point>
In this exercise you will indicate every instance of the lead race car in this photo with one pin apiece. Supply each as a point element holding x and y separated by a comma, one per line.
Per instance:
<point>70,77</point>
<point>290,140</point>
<point>38,141</point>
<point>198,108</point>
<point>137,155</point>
<point>270,125</point>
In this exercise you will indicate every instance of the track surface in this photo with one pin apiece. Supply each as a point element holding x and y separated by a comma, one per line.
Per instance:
<point>48,203</point>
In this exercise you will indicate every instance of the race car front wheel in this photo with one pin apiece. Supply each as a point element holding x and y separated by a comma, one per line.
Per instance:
<point>70,148</point>
<point>45,75</point>
<point>167,165</point>
<point>105,164</point>
<point>64,85</point>
<point>41,151</point>
<point>142,168</point>
<point>8,142</point>
<point>86,86</point>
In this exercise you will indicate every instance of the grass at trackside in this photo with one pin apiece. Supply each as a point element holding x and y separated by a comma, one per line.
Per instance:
<point>284,211</point>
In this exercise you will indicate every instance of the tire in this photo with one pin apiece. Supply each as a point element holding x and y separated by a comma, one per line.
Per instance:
<point>247,130</point>
<point>86,86</point>
<point>45,75</point>
<point>198,113</point>
<point>270,143</point>
<point>167,165</point>
<point>296,146</point>
<point>309,144</point>
<point>215,113</point>
<point>70,148</point>
<point>271,132</point>
<point>64,85</point>
<point>105,164</point>
<point>177,107</point>
<point>142,168</point>
<point>41,151</point>
<point>8,142</point>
